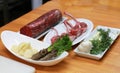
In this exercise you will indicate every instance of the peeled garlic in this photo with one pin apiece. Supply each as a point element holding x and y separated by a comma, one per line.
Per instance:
<point>28,53</point>
<point>24,49</point>
<point>15,49</point>
<point>85,46</point>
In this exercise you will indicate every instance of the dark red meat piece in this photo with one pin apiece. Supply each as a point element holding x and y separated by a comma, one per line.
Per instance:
<point>41,24</point>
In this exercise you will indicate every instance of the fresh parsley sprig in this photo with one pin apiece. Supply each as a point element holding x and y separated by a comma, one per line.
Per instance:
<point>61,45</point>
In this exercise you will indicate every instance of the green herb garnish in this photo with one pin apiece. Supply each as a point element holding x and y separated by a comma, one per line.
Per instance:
<point>101,42</point>
<point>61,45</point>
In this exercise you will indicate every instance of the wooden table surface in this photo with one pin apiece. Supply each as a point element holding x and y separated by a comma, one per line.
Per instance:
<point>100,12</point>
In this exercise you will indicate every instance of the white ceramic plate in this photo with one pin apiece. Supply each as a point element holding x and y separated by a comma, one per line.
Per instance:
<point>61,29</point>
<point>113,34</point>
<point>10,38</point>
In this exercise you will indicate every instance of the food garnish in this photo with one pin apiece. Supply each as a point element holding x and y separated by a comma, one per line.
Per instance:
<point>101,42</point>
<point>57,48</point>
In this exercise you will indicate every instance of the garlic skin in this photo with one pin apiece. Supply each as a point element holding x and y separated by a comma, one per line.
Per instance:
<point>85,46</point>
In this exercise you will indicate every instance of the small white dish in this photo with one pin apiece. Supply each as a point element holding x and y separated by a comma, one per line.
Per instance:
<point>10,38</point>
<point>114,33</point>
<point>61,29</point>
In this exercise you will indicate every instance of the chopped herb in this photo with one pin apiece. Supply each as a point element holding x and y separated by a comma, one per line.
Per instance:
<point>102,42</point>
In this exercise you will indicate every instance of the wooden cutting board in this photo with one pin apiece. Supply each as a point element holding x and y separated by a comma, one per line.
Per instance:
<point>11,66</point>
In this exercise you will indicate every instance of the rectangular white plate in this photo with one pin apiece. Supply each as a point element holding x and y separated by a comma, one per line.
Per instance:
<point>11,66</point>
<point>114,33</point>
